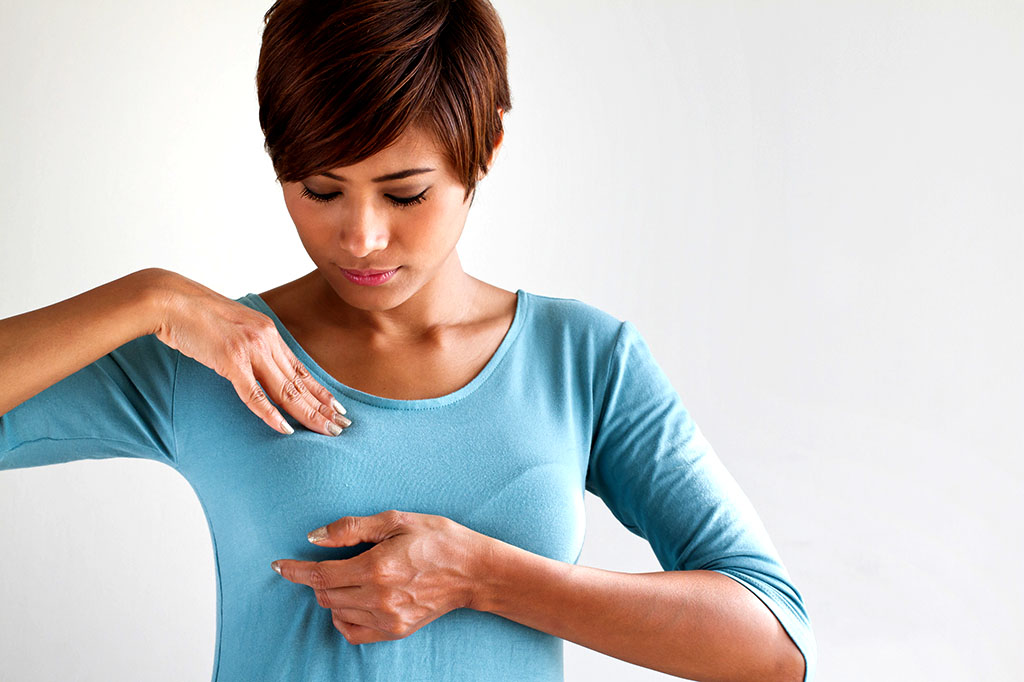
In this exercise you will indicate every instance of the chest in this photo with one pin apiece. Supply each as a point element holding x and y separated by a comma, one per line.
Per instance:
<point>399,370</point>
<point>409,375</point>
<point>509,459</point>
<point>508,472</point>
<point>403,372</point>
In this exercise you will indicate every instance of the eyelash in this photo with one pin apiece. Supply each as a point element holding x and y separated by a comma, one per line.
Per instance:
<point>400,203</point>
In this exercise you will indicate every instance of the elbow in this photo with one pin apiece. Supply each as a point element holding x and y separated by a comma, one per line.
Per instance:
<point>791,665</point>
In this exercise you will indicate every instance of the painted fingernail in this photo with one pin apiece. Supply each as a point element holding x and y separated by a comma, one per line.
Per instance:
<point>334,429</point>
<point>341,420</point>
<point>276,566</point>
<point>286,426</point>
<point>318,534</point>
<point>338,406</point>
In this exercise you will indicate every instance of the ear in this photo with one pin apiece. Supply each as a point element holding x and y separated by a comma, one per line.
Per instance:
<point>497,146</point>
<point>501,135</point>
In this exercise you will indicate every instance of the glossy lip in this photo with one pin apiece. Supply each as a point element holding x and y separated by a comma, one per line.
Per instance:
<point>374,280</point>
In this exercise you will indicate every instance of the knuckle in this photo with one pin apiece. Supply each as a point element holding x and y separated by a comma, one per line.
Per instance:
<point>300,370</point>
<point>395,625</point>
<point>266,326</point>
<point>311,412</point>
<point>391,603</point>
<point>348,525</point>
<point>291,390</point>
<point>315,414</point>
<point>256,394</point>
<point>318,578</point>
<point>382,570</point>
<point>257,333</point>
<point>238,352</point>
<point>252,342</point>
<point>299,382</point>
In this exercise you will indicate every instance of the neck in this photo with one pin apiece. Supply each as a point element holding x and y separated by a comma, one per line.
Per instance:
<point>445,301</point>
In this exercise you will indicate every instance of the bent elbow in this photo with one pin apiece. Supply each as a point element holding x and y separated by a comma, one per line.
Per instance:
<point>791,666</point>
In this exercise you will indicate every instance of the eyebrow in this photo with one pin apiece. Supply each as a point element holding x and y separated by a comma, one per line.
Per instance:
<point>384,178</point>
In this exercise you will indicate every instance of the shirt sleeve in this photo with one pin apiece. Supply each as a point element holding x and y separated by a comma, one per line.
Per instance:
<point>121,405</point>
<point>659,476</point>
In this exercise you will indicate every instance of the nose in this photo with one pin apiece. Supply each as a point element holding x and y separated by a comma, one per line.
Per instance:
<point>364,231</point>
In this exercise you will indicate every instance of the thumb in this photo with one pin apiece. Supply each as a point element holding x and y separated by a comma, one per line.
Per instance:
<point>352,530</point>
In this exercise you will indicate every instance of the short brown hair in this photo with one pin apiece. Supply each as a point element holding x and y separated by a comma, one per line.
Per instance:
<point>340,80</point>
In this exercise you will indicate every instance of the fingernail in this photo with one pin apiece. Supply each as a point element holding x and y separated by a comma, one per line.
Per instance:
<point>334,429</point>
<point>342,420</point>
<point>287,427</point>
<point>318,534</point>
<point>338,406</point>
<point>276,566</point>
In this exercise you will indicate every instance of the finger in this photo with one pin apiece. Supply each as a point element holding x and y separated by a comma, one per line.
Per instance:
<point>359,634</point>
<point>314,386</point>
<point>289,391</point>
<point>348,597</point>
<point>353,616</point>
<point>358,617</point>
<point>252,394</point>
<point>314,393</point>
<point>353,530</point>
<point>320,575</point>
<point>291,394</point>
<point>296,571</point>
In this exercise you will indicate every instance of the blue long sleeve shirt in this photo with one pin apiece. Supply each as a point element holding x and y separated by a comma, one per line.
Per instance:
<point>571,400</point>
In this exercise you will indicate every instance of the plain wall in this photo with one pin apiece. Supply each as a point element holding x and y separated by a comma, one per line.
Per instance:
<point>811,210</point>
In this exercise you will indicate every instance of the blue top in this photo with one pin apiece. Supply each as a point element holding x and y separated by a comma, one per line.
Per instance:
<point>572,400</point>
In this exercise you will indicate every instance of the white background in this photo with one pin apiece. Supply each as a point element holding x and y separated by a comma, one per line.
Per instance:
<point>811,210</point>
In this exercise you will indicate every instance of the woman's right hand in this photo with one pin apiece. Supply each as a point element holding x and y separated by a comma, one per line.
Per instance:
<point>243,346</point>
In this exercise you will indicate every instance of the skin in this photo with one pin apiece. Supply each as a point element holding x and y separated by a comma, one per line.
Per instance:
<point>699,625</point>
<point>428,330</point>
<point>425,333</point>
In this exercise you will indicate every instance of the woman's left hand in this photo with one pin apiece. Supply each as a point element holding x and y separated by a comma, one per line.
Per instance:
<point>421,568</point>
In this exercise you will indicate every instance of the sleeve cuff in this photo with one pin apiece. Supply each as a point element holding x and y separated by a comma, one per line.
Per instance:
<point>795,622</point>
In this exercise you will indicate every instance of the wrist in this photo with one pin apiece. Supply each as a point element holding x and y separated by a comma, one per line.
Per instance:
<point>513,582</point>
<point>485,572</point>
<point>506,575</point>
<point>152,295</point>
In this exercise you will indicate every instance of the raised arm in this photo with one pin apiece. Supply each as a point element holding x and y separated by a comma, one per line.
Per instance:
<point>102,365</point>
<point>41,347</point>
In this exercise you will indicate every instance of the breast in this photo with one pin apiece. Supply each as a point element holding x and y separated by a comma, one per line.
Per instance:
<point>512,474</point>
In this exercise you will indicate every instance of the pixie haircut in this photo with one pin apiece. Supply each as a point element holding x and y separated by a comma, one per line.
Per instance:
<point>340,80</point>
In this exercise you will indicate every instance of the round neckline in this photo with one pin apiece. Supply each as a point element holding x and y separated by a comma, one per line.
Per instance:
<point>337,387</point>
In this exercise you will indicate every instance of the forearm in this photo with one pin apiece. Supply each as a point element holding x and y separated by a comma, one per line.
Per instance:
<point>700,625</point>
<point>43,346</point>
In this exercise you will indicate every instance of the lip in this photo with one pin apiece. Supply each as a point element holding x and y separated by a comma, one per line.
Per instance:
<point>366,273</point>
<point>369,277</point>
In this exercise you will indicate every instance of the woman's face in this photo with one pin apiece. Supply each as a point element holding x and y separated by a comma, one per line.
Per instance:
<point>411,223</point>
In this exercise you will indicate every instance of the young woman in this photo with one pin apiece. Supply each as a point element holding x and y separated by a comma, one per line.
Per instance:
<point>447,494</point>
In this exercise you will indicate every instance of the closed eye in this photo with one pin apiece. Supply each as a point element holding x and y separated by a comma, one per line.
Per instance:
<point>401,202</point>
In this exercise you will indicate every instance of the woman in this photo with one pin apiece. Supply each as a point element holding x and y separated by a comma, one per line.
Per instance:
<point>447,494</point>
